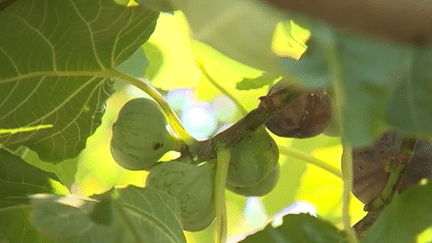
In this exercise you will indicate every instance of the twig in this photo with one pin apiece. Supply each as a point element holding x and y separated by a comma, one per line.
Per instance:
<point>174,120</point>
<point>222,89</point>
<point>309,159</point>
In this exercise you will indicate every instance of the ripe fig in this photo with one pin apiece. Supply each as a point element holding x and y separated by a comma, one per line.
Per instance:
<point>139,136</point>
<point>369,162</point>
<point>262,188</point>
<point>306,116</point>
<point>252,159</point>
<point>192,186</point>
<point>420,165</point>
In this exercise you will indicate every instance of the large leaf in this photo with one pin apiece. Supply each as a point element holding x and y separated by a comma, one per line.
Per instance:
<point>406,216</point>
<point>298,229</point>
<point>19,179</point>
<point>131,214</point>
<point>65,170</point>
<point>16,227</point>
<point>55,59</point>
<point>413,95</point>
<point>381,82</point>
<point>226,26</point>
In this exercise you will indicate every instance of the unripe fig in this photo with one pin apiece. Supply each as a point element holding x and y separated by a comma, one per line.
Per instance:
<point>192,186</point>
<point>252,159</point>
<point>262,188</point>
<point>306,116</point>
<point>140,137</point>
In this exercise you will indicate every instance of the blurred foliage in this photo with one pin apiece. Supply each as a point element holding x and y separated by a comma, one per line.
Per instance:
<point>297,229</point>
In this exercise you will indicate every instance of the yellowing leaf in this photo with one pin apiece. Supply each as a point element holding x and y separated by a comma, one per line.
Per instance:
<point>227,73</point>
<point>174,67</point>
<point>289,40</point>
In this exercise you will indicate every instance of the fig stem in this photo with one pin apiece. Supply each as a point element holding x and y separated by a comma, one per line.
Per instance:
<point>347,176</point>
<point>222,89</point>
<point>293,153</point>
<point>397,166</point>
<point>173,119</point>
<point>222,164</point>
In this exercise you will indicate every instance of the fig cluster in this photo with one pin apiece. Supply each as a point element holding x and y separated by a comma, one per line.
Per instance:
<point>140,138</point>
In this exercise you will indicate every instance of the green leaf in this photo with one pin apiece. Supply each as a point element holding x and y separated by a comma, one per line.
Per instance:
<point>381,83</point>
<point>258,82</point>
<point>19,179</point>
<point>55,66</point>
<point>299,228</point>
<point>16,227</point>
<point>132,215</point>
<point>154,54</point>
<point>313,67</point>
<point>240,29</point>
<point>370,68</point>
<point>65,170</point>
<point>410,106</point>
<point>159,210</point>
<point>135,65</point>
<point>406,216</point>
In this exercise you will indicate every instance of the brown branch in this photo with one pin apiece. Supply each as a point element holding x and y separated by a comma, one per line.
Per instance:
<point>362,226</point>
<point>407,21</point>
<point>269,105</point>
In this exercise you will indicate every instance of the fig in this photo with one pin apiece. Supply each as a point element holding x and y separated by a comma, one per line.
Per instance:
<point>140,136</point>
<point>252,159</point>
<point>262,188</point>
<point>420,165</point>
<point>306,116</point>
<point>192,186</point>
<point>369,162</point>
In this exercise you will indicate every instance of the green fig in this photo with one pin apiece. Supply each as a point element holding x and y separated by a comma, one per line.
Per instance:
<point>252,159</point>
<point>140,136</point>
<point>262,188</point>
<point>192,186</point>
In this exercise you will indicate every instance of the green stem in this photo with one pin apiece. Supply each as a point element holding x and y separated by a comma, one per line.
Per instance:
<point>150,90</point>
<point>347,167</point>
<point>222,89</point>
<point>223,159</point>
<point>347,176</point>
<point>309,159</point>
<point>397,167</point>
